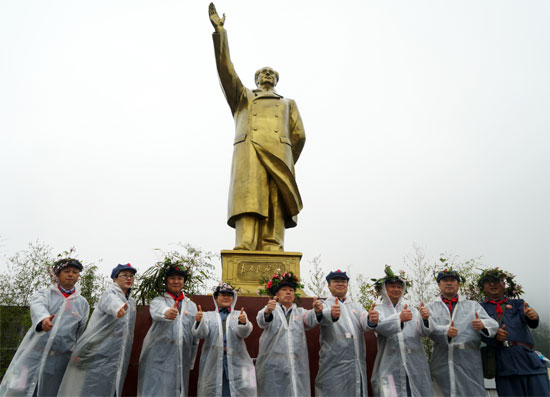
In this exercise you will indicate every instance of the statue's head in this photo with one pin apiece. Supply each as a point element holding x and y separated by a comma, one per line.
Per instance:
<point>266,75</point>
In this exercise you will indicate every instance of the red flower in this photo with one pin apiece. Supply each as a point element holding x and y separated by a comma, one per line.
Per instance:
<point>268,285</point>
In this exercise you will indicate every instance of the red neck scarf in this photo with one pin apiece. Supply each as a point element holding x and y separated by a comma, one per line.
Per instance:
<point>65,293</point>
<point>178,298</point>
<point>449,302</point>
<point>500,312</point>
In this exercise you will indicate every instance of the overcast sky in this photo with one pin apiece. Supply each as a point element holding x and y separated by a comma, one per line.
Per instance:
<point>426,122</point>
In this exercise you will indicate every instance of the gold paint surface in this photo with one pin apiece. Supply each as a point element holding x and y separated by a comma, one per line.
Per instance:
<point>264,198</point>
<point>243,269</point>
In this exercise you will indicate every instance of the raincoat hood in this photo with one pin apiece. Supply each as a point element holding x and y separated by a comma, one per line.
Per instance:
<point>386,298</point>
<point>232,303</point>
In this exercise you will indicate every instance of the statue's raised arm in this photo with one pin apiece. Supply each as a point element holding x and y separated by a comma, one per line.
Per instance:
<point>217,22</point>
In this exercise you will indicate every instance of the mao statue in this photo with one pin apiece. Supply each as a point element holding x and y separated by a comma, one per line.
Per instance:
<point>269,136</point>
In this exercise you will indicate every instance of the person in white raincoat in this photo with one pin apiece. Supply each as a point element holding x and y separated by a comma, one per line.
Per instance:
<point>226,368</point>
<point>59,314</point>
<point>282,366</point>
<point>401,367</point>
<point>100,358</point>
<point>169,348</point>
<point>456,326</point>
<point>342,358</point>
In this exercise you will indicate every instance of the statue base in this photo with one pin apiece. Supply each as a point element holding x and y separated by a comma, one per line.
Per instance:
<point>244,269</point>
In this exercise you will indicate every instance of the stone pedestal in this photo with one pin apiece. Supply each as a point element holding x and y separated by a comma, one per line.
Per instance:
<point>244,269</point>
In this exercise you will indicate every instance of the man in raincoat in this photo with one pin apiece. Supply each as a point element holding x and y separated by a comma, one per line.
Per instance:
<point>100,358</point>
<point>456,328</point>
<point>342,358</point>
<point>282,366</point>
<point>401,367</point>
<point>169,346</point>
<point>226,368</point>
<point>519,371</point>
<point>59,314</point>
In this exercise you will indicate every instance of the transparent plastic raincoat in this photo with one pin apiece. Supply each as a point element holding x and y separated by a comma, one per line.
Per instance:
<point>100,358</point>
<point>240,368</point>
<point>342,358</point>
<point>42,357</point>
<point>400,352</point>
<point>456,365</point>
<point>282,366</point>
<point>169,349</point>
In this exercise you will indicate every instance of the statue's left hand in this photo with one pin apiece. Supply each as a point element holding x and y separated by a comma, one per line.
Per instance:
<point>217,22</point>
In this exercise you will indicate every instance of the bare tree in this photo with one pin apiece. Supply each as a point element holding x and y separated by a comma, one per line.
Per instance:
<point>316,285</point>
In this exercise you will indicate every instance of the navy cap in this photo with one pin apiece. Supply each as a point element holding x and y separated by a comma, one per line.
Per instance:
<point>68,262</point>
<point>176,271</point>
<point>337,274</point>
<point>119,268</point>
<point>448,273</point>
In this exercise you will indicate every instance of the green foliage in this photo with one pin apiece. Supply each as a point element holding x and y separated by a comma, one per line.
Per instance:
<point>14,323</point>
<point>367,292</point>
<point>389,275</point>
<point>92,284</point>
<point>196,262</point>
<point>318,284</point>
<point>27,273</point>
<point>30,270</point>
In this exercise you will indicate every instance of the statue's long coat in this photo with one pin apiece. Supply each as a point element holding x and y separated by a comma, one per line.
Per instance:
<point>269,137</point>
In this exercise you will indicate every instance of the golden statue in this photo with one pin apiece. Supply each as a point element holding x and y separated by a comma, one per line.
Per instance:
<point>269,137</point>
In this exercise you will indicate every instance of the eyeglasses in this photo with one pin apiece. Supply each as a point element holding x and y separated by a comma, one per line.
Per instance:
<point>126,276</point>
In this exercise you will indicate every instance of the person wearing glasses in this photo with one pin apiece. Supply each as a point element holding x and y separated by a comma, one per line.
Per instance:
<point>100,358</point>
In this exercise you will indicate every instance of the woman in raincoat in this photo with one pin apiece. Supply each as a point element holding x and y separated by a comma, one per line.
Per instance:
<point>59,314</point>
<point>401,367</point>
<point>226,368</point>
<point>456,326</point>
<point>100,358</point>
<point>282,366</point>
<point>169,347</point>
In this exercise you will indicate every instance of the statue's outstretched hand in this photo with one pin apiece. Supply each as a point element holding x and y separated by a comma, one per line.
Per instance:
<point>217,22</point>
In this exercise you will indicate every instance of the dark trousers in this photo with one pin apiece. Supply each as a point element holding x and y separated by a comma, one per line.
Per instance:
<point>523,385</point>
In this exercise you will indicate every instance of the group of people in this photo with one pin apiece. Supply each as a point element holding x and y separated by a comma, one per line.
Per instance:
<point>58,356</point>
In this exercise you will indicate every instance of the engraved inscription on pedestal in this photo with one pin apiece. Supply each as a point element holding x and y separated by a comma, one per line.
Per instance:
<point>244,269</point>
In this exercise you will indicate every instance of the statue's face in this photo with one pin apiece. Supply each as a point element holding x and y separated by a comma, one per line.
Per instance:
<point>266,76</point>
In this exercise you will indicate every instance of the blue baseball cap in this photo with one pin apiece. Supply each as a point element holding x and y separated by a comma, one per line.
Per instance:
<point>119,268</point>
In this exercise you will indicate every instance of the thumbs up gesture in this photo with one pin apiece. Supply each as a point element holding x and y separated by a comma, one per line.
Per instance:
<point>530,313</point>
<point>373,315</point>
<point>502,334</point>
<point>271,304</point>
<point>406,314</point>
<point>47,323</point>
<point>424,311</point>
<point>172,312</point>
<point>477,323</point>
<point>122,311</point>
<point>452,332</point>
<point>198,316</point>
<point>317,305</point>
<point>335,309</point>
<point>242,316</point>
